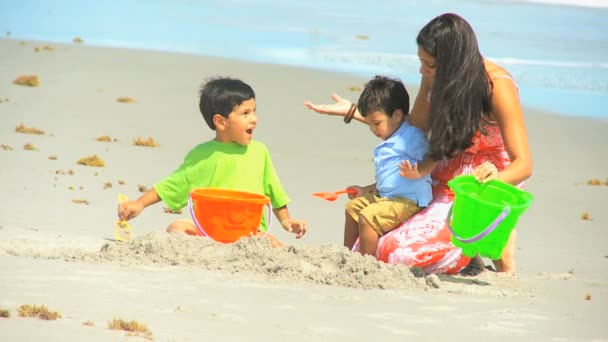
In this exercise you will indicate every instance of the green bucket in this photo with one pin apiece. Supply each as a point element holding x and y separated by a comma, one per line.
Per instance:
<point>483,215</point>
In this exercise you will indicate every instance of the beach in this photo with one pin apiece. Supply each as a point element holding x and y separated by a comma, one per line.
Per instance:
<point>56,216</point>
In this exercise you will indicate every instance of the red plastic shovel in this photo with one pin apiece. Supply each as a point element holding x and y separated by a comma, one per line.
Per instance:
<point>332,196</point>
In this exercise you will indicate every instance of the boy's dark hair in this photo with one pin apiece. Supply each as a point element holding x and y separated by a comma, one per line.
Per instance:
<point>384,94</point>
<point>220,96</point>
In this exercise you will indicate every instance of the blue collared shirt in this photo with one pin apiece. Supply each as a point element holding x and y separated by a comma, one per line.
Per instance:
<point>407,143</point>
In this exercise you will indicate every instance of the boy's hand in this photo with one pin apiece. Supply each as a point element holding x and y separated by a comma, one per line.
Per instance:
<point>408,171</point>
<point>297,227</point>
<point>129,210</point>
<point>358,191</point>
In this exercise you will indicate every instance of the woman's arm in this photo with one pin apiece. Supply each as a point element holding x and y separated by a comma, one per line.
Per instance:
<point>506,110</point>
<point>418,116</point>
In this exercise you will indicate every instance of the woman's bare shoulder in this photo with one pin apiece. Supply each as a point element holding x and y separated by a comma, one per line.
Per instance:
<point>495,71</point>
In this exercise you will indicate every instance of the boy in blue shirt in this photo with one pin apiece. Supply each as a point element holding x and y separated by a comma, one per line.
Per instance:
<point>380,207</point>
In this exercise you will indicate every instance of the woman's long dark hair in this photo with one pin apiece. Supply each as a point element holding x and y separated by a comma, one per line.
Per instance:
<point>461,92</point>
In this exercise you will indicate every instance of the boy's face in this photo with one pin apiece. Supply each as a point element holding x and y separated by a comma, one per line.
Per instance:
<point>382,125</point>
<point>239,125</point>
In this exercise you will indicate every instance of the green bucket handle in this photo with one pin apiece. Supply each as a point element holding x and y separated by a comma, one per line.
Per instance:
<point>505,212</point>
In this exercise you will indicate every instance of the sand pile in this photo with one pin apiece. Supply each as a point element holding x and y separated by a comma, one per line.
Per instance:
<point>331,265</point>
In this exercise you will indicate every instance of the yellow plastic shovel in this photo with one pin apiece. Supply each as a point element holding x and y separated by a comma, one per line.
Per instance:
<point>122,229</point>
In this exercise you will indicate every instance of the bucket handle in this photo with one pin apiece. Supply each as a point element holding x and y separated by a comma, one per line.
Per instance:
<point>202,231</point>
<point>505,212</point>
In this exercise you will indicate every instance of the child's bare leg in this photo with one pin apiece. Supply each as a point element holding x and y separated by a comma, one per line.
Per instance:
<point>351,231</point>
<point>273,241</point>
<point>506,263</point>
<point>368,238</point>
<point>188,227</point>
<point>183,226</point>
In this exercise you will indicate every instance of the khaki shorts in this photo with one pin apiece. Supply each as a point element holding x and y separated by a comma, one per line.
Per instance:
<point>383,214</point>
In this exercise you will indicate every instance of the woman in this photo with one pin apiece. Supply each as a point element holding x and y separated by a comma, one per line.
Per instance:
<point>470,109</point>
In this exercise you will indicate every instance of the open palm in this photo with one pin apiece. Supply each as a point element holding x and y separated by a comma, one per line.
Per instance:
<point>340,107</point>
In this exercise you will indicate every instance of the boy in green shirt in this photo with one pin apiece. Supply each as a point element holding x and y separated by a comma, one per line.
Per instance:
<point>230,161</point>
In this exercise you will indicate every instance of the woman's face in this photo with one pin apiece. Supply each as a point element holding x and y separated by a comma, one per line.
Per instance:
<point>427,63</point>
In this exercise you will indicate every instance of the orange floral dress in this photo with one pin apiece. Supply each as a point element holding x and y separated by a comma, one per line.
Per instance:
<point>424,240</point>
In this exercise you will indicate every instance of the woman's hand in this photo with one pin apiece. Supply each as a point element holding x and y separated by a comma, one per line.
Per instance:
<point>485,172</point>
<point>339,108</point>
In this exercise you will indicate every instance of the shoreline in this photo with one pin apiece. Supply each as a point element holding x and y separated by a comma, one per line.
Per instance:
<point>319,69</point>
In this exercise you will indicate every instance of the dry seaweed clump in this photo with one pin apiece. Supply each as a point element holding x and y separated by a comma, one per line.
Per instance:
<point>88,323</point>
<point>106,138</point>
<point>30,147</point>
<point>27,80</point>
<point>93,161</point>
<point>6,147</point>
<point>45,48</point>
<point>354,88</point>
<point>150,142</point>
<point>5,313</point>
<point>80,201</point>
<point>68,172</point>
<point>586,216</point>
<point>125,99</point>
<point>142,188</point>
<point>41,312</point>
<point>133,327</point>
<point>78,40</point>
<point>28,130</point>
<point>594,181</point>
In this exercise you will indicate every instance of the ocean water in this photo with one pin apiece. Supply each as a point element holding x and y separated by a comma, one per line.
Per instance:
<point>556,50</point>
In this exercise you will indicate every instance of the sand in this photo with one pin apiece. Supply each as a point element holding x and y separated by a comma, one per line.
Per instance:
<point>56,216</point>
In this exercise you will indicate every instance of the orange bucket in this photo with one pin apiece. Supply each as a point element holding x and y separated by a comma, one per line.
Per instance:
<point>227,215</point>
